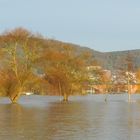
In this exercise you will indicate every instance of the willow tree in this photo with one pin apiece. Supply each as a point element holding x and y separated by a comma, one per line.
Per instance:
<point>17,64</point>
<point>64,70</point>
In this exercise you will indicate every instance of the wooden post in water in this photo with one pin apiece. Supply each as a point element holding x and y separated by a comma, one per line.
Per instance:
<point>106,92</point>
<point>129,93</point>
<point>128,87</point>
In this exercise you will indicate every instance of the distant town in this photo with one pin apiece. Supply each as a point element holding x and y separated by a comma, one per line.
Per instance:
<point>105,81</point>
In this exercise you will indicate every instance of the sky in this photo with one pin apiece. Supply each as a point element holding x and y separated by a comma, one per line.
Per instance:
<point>103,25</point>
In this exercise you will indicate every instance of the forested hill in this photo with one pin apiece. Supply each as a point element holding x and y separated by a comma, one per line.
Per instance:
<point>108,60</point>
<point>112,60</point>
<point>117,59</point>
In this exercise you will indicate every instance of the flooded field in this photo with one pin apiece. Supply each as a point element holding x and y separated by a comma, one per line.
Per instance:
<point>82,118</point>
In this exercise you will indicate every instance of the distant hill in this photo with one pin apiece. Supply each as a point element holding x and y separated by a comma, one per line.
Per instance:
<point>117,59</point>
<point>108,60</point>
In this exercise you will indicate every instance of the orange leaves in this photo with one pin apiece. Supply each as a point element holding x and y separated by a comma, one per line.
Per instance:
<point>8,83</point>
<point>64,69</point>
<point>17,34</point>
<point>62,65</point>
<point>53,55</point>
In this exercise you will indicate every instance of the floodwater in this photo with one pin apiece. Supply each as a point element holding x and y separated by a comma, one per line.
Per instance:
<point>82,118</point>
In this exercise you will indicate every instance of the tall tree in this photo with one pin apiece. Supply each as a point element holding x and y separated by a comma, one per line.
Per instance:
<point>65,70</point>
<point>19,56</point>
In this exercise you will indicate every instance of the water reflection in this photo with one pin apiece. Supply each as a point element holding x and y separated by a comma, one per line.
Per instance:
<point>46,118</point>
<point>17,122</point>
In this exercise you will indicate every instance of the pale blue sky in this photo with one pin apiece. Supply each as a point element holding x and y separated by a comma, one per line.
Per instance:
<point>104,25</point>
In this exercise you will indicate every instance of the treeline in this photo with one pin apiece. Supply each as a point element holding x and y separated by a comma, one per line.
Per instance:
<point>32,63</point>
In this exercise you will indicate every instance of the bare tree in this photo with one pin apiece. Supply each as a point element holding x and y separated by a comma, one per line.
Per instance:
<point>64,70</point>
<point>19,56</point>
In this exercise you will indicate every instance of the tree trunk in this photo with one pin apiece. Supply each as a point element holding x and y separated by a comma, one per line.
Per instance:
<point>128,88</point>
<point>129,97</point>
<point>129,93</point>
<point>106,93</point>
<point>60,88</point>
<point>65,97</point>
<point>105,97</point>
<point>14,98</point>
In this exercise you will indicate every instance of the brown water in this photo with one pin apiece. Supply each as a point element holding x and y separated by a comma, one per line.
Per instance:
<point>83,118</point>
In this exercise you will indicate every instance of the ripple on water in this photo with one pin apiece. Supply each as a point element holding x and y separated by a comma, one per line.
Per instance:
<point>91,118</point>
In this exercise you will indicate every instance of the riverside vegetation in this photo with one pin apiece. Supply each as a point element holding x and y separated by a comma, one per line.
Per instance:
<point>32,63</point>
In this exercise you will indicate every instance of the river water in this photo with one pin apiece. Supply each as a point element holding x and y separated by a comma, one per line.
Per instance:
<point>82,118</point>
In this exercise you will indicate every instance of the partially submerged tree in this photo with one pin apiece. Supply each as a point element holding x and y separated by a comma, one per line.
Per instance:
<point>19,56</point>
<point>22,53</point>
<point>65,70</point>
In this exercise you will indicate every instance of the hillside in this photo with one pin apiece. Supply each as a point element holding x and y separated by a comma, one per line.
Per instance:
<point>108,60</point>
<point>117,59</point>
